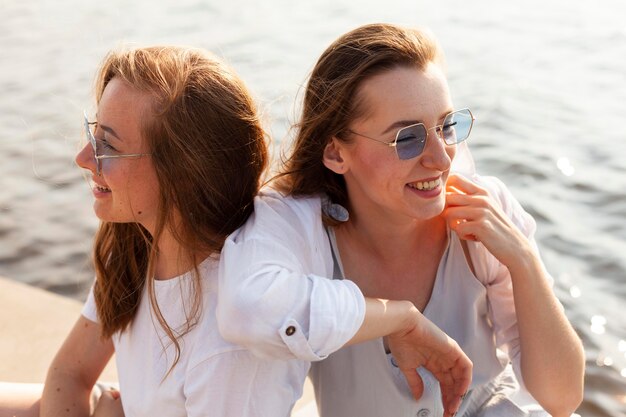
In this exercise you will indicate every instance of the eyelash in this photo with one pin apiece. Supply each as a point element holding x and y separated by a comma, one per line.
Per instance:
<point>106,145</point>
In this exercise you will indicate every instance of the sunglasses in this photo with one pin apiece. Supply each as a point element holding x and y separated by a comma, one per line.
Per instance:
<point>98,153</point>
<point>411,140</point>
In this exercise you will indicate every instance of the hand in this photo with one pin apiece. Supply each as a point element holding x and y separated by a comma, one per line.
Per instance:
<point>472,214</point>
<point>109,405</point>
<point>424,344</point>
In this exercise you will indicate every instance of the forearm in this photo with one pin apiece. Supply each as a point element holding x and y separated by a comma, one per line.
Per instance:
<point>65,395</point>
<point>547,340</point>
<point>385,317</point>
<point>74,371</point>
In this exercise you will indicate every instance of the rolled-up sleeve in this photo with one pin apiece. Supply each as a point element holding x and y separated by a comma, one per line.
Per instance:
<point>274,295</point>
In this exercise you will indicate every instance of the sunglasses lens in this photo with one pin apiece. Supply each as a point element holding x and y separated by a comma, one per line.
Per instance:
<point>457,126</point>
<point>93,142</point>
<point>410,141</point>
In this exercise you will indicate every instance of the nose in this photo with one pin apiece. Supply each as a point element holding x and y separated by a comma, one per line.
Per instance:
<point>437,155</point>
<point>85,158</point>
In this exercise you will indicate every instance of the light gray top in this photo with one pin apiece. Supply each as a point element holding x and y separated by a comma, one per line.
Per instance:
<point>362,380</point>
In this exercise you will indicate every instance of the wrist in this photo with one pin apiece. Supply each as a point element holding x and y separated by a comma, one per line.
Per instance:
<point>408,317</point>
<point>524,264</point>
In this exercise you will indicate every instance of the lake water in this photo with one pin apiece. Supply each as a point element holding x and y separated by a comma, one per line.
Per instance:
<point>546,81</point>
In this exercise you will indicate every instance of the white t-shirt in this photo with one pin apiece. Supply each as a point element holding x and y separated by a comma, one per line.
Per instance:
<point>212,377</point>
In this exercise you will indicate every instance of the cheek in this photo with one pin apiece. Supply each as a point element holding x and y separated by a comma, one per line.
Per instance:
<point>451,151</point>
<point>145,186</point>
<point>375,161</point>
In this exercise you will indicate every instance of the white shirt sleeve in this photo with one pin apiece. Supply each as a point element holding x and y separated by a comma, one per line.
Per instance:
<point>497,278</point>
<point>274,295</point>
<point>235,383</point>
<point>89,308</point>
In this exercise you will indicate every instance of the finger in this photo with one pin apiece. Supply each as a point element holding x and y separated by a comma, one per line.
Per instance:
<point>465,231</point>
<point>464,184</point>
<point>452,405</point>
<point>416,385</point>
<point>466,214</point>
<point>452,396</point>
<point>455,198</point>
<point>451,189</point>
<point>110,394</point>
<point>106,395</point>
<point>449,400</point>
<point>462,374</point>
<point>445,378</point>
<point>115,394</point>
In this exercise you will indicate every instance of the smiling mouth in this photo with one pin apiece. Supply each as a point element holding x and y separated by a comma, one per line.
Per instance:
<point>425,185</point>
<point>102,188</point>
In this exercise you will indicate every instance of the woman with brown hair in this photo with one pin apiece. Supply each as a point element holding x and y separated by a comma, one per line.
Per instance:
<point>368,193</point>
<point>175,157</point>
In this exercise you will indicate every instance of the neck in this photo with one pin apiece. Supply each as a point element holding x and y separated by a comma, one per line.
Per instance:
<point>170,261</point>
<point>392,238</point>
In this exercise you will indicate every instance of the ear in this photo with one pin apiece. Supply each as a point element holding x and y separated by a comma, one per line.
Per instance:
<point>333,157</point>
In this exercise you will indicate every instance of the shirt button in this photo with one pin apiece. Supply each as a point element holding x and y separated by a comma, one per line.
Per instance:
<point>290,330</point>
<point>424,412</point>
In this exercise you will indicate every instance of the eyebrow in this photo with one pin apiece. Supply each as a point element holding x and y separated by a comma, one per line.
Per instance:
<point>404,123</point>
<point>400,124</point>
<point>109,130</point>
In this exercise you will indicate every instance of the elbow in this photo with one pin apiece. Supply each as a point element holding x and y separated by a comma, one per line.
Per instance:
<point>563,407</point>
<point>564,402</point>
<point>559,390</point>
<point>237,324</point>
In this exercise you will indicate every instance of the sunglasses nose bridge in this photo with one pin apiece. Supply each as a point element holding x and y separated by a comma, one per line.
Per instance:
<point>438,131</point>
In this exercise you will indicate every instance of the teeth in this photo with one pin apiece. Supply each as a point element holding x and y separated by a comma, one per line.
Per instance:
<point>101,188</point>
<point>425,185</point>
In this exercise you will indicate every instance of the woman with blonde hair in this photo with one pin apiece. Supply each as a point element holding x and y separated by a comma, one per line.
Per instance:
<point>372,193</point>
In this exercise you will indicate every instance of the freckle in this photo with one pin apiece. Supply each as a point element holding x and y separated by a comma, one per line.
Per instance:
<point>139,212</point>
<point>58,389</point>
<point>67,410</point>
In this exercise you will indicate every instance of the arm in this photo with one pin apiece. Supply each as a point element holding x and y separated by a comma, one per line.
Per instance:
<point>546,338</point>
<point>274,299</point>
<point>74,371</point>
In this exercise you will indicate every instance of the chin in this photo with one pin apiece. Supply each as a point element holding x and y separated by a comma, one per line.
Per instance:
<point>431,211</point>
<point>105,215</point>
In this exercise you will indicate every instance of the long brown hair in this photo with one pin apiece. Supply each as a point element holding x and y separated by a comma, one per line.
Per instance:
<point>331,100</point>
<point>209,152</point>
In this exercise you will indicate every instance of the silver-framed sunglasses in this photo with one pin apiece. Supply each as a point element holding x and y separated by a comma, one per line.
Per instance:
<point>98,153</point>
<point>411,140</point>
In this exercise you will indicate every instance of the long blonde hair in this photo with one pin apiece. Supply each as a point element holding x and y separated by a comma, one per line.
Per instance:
<point>209,152</point>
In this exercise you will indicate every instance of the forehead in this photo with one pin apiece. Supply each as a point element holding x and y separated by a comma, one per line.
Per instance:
<point>405,93</point>
<point>123,107</point>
